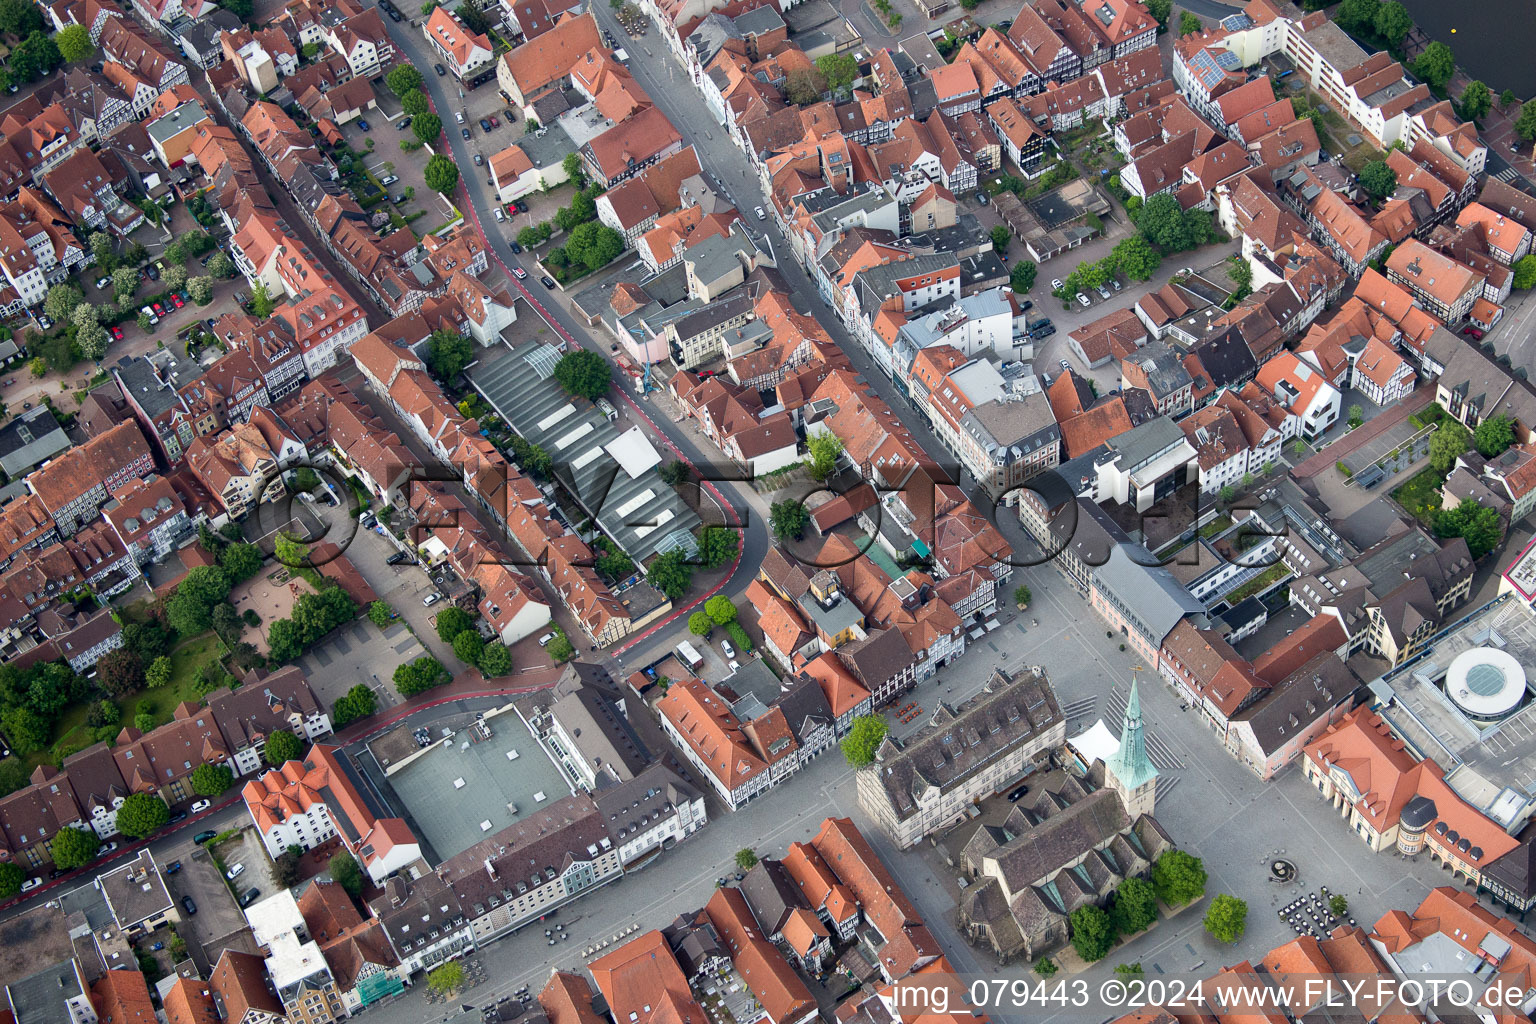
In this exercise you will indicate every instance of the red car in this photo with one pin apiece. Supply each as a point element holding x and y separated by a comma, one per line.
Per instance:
<point>495,123</point>
<point>1473,333</point>
<point>159,310</point>
<point>177,300</point>
<point>117,333</point>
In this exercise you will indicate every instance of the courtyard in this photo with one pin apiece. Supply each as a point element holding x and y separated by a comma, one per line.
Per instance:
<point>271,594</point>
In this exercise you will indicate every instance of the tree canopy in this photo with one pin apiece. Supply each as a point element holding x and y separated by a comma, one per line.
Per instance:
<point>839,69</point>
<point>788,519</point>
<point>1474,523</point>
<point>283,746</point>
<point>1357,15</point>
<point>211,779</point>
<point>700,624</point>
<point>415,103</point>
<point>804,86</point>
<point>1378,180</point>
<point>74,848</point>
<point>1021,278</point>
<point>670,573</point>
<point>1476,101</point>
<point>495,660</point>
<point>864,739</point>
<point>823,448</point>
<point>422,674</point>
<point>1493,436</point>
<point>1171,228</point>
<point>345,872</point>
<point>426,126</point>
<point>403,79</point>
<point>1178,878</point>
<point>1093,933</point>
<point>594,245</point>
<point>448,352</point>
<point>442,174</point>
<point>1393,22</point>
<point>746,859</point>
<point>584,373</point>
<point>452,621</point>
<point>140,814</point>
<point>1135,906</point>
<point>1190,23</point>
<point>1226,918</point>
<point>1525,272</point>
<point>358,702</point>
<point>1435,65</point>
<point>720,610</point>
<point>1449,441</point>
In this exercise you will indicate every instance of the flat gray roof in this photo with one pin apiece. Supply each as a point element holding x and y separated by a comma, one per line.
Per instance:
<point>455,786</point>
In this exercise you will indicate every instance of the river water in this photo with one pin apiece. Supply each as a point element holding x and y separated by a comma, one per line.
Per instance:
<point>1493,39</point>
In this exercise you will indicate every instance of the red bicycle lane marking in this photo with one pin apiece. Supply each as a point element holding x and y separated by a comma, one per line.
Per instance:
<point>544,315</point>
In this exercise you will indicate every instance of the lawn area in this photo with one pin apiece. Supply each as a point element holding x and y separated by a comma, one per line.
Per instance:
<point>186,658</point>
<point>1263,581</point>
<point>1215,526</point>
<point>1420,495</point>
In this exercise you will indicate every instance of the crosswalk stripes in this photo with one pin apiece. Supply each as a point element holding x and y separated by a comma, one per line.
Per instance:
<point>1165,784</point>
<point>1078,708</point>
<point>1507,175</point>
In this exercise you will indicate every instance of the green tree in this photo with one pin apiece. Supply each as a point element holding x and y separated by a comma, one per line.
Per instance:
<point>1129,972</point>
<point>261,301</point>
<point>20,18</point>
<point>594,245</point>
<point>452,621</point>
<point>561,649</point>
<point>174,278</point>
<point>746,859</point>
<point>448,352</point>
<point>1476,524</point>
<point>839,69</point>
<point>1092,932</point>
<point>1135,906</point>
<point>467,647</point>
<point>864,739</point>
<point>92,341</point>
<point>403,79</point>
<point>74,848</point>
<point>1378,180</point>
<point>675,472</point>
<point>144,721</point>
<point>1189,24</point>
<point>62,299</point>
<point>28,731</point>
<point>720,610</point>
<point>788,519</point>
<point>1136,258</point>
<point>283,746</point>
<point>1393,23</point>
<point>1022,277</point>
<point>1000,239</point>
<point>13,775</point>
<point>1178,878</point>
<point>823,449</point>
<point>1507,99</point>
<point>572,166</point>
<point>1338,905</point>
<point>442,174</point>
<point>285,640</point>
<point>447,978</point>
<point>35,56</point>
<point>1449,441</point>
<point>145,323</point>
<point>240,561</point>
<point>1525,271</point>
<point>1045,967</point>
<point>1493,436</point>
<point>380,614</point>
<point>140,814</point>
<point>495,661</point>
<point>422,674</point>
<point>1357,15</point>
<point>1162,222</point>
<point>11,877</point>
<point>358,702</point>
<point>1435,65</point>
<point>211,779</point>
<point>670,573</point>
<point>1476,101</point>
<point>804,86</point>
<point>159,672</point>
<point>1021,595</point>
<point>200,290</point>
<point>427,127</point>
<point>125,281</point>
<point>1226,918</point>
<point>584,373</point>
<point>718,545</point>
<point>700,624</point>
<point>415,103</point>
<point>344,871</point>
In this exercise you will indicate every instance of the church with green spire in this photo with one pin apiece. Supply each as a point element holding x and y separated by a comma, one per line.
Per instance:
<point>1129,771</point>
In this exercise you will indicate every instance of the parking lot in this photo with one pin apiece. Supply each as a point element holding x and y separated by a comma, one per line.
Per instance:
<point>218,922</point>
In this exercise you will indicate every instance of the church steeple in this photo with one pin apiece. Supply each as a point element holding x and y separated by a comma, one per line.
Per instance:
<point>1130,771</point>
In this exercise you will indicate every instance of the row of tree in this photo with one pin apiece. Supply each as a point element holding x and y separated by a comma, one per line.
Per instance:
<point>457,629</point>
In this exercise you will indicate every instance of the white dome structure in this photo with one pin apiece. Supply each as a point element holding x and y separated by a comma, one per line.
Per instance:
<point>1485,683</point>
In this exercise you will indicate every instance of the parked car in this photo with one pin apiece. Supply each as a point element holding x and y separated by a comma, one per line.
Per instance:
<point>545,639</point>
<point>507,113</point>
<point>1027,305</point>
<point>1472,332</point>
<point>109,848</point>
<point>388,180</point>
<point>479,160</point>
<point>431,599</point>
<point>235,872</point>
<point>171,868</point>
<point>200,806</point>
<point>1055,284</point>
<point>458,115</point>
<point>1085,300</point>
<point>404,123</point>
<point>1015,795</point>
<point>1114,283</point>
<point>983,198</point>
<point>485,125</point>
<point>203,837</point>
<point>149,313</point>
<point>177,818</point>
<point>547,282</point>
<point>178,301</point>
<point>727,649</point>
<point>520,273</point>
<point>441,71</point>
<point>31,883</point>
<point>396,558</point>
<point>189,905</point>
<point>515,247</point>
<point>251,896</point>
<point>494,123</point>
<point>760,214</point>
<point>1065,366</point>
<point>102,282</point>
<point>152,272</point>
<point>464,132</point>
<point>363,125</point>
<point>1103,292</point>
<point>398,199</point>
<point>157,947</point>
<point>501,218</point>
